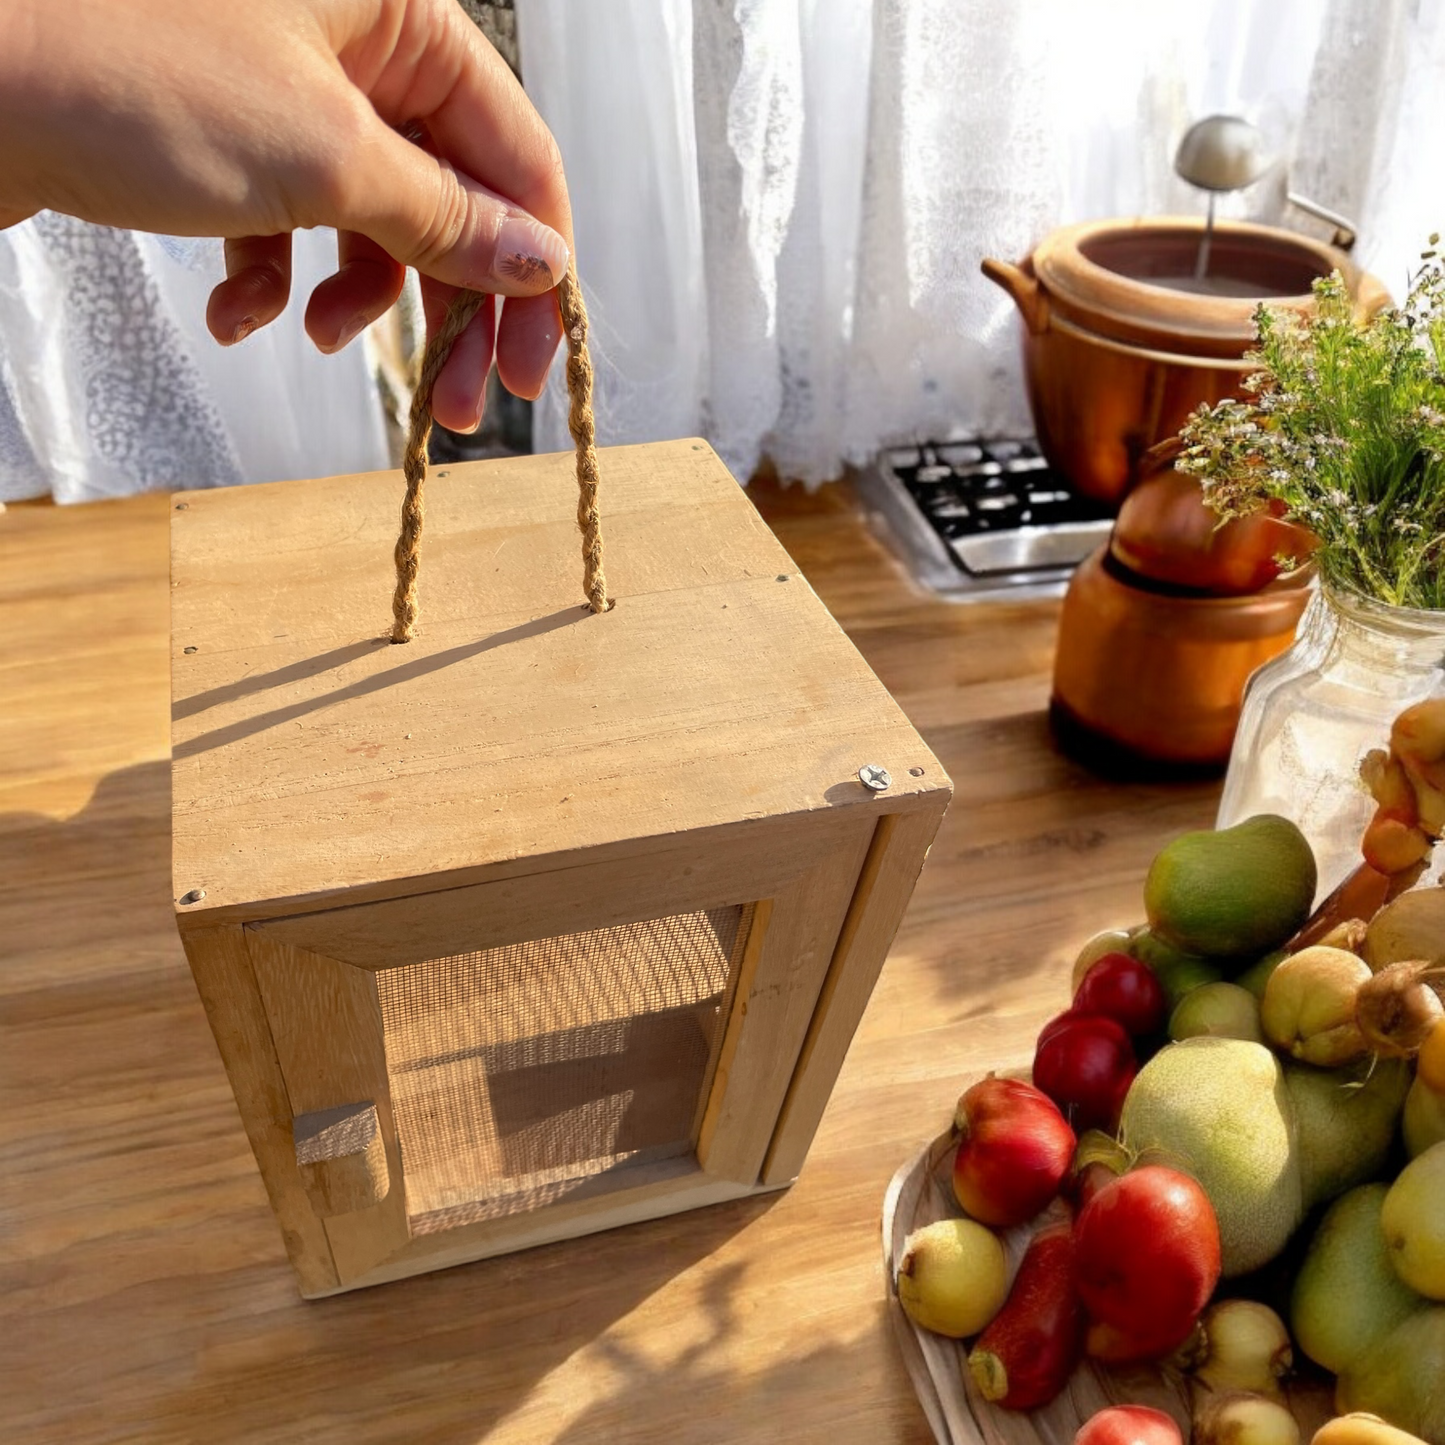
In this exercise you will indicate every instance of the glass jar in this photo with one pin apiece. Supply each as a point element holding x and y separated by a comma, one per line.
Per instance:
<point>1312,714</point>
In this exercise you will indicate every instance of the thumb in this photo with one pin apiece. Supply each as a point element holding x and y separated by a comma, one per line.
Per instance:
<point>423,213</point>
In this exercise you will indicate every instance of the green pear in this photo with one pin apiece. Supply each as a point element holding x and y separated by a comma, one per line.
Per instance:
<point>1217,1010</point>
<point>1234,893</point>
<point>1178,973</point>
<point>1401,1378</point>
<point>1345,1122</point>
<point>1219,1110</point>
<point>1347,1296</point>
<point>1256,977</point>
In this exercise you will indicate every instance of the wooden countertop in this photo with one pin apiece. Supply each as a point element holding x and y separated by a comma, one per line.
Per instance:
<point>143,1287</point>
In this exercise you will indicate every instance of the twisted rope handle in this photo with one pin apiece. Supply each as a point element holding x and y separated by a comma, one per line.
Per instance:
<point>579,422</point>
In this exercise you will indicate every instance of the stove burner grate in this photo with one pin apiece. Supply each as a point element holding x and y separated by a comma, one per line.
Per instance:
<point>977,518</point>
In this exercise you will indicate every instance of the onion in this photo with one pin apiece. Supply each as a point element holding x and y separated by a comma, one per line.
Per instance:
<point>1240,1418</point>
<point>1245,1347</point>
<point>1397,1008</point>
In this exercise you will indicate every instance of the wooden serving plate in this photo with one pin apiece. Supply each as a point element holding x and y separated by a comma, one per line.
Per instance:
<point>922,1192</point>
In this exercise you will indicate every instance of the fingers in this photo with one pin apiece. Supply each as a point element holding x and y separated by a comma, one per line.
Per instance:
<point>365,285</point>
<point>476,115</point>
<point>425,214</point>
<point>485,204</point>
<point>256,288</point>
<point>490,247</point>
<point>527,337</point>
<point>458,394</point>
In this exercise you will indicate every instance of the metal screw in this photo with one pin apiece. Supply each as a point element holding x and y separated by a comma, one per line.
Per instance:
<point>782,576</point>
<point>874,776</point>
<point>915,772</point>
<point>188,650</point>
<point>194,896</point>
<point>182,506</point>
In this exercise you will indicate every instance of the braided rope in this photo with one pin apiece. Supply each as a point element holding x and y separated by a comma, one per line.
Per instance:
<point>419,424</point>
<point>581,424</point>
<point>413,461</point>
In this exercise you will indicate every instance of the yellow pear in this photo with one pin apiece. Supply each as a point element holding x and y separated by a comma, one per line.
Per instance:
<point>953,1277</point>
<point>1414,1223</point>
<point>1309,1006</point>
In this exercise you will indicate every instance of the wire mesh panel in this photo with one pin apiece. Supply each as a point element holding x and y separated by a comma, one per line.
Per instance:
<point>519,1073</point>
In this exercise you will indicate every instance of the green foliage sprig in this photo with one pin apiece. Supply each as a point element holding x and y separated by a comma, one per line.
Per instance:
<point>1344,424</point>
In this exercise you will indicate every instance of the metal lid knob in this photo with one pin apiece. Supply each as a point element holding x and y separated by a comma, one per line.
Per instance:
<point>1222,153</point>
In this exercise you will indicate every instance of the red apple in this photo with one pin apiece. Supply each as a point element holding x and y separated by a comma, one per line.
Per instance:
<point>1148,1262</point>
<point>1014,1150</point>
<point>1129,1425</point>
<point>1124,989</point>
<point>1085,1064</point>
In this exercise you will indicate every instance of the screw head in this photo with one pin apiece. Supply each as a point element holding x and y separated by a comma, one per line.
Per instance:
<point>874,776</point>
<point>183,506</point>
<point>194,896</point>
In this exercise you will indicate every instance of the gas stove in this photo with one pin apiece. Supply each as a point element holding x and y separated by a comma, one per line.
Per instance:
<point>981,519</point>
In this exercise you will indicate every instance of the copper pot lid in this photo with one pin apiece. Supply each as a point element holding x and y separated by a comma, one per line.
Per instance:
<point>1134,279</point>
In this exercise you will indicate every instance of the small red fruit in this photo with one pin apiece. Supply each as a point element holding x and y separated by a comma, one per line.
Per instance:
<point>1148,1262</point>
<point>1028,1351</point>
<point>1124,989</point>
<point>1014,1150</point>
<point>1085,1064</point>
<point>1129,1425</point>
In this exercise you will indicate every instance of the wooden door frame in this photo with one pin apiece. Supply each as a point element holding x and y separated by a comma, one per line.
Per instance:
<point>802,871</point>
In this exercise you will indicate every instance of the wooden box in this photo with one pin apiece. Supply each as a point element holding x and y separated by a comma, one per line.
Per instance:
<point>549,920</point>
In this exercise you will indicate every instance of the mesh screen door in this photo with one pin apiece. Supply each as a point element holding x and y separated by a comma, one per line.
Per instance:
<point>517,1073</point>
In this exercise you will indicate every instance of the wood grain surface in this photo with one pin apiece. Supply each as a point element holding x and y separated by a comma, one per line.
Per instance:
<point>146,1295</point>
<point>316,765</point>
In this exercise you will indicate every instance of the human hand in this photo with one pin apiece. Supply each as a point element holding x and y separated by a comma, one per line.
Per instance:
<point>392,120</point>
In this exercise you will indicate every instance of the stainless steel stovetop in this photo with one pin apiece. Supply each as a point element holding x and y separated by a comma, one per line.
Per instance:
<point>981,519</point>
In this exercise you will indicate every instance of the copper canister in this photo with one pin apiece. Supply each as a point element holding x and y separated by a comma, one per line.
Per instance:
<point>1152,676</point>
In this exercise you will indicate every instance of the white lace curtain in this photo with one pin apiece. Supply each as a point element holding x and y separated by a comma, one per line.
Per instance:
<point>781,205</point>
<point>110,383</point>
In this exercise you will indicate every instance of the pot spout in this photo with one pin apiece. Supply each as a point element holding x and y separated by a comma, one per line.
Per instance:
<point>1023,286</point>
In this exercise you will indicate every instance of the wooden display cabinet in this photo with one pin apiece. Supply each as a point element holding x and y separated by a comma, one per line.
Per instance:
<point>547,921</point>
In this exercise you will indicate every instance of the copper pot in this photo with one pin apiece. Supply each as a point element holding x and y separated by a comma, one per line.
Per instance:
<point>1121,343</point>
<point>1158,676</point>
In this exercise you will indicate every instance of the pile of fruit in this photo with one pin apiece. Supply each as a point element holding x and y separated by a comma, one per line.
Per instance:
<point>1238,1122</point>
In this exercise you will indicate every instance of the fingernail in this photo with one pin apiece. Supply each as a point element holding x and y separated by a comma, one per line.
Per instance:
<point>243,328</point>
<point>531,256</point>
<point>349,332</point>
